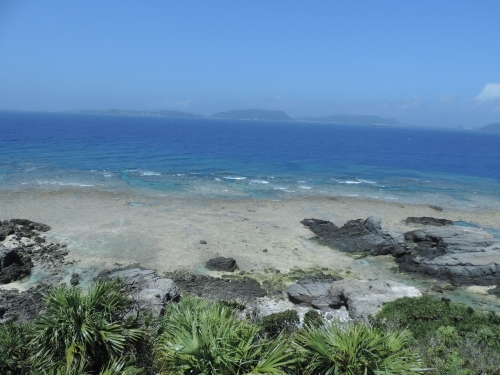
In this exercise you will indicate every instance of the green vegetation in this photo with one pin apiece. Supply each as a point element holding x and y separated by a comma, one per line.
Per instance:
<point>451,338</point>
<point>284,322</point>
<point>356,349</point>
<point>253,114</point>
<point>83,332</point>
<point>313,319</point>
<point>201,337</point>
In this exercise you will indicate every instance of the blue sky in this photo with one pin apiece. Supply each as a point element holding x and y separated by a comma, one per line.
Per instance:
<point>434,63</point>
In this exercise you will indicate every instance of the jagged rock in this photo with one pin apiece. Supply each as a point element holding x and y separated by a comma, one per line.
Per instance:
<point>31,225</point>
<point>431,221</point>
<point>358,236</point>
<point>149,291</point>
<point>21,239</point>
<point>75,279</point>
<point>462,256</point>
<point>362,298</point>
<point>21,306</point>
<point>221,264</point>
<point>494,291</point>
<point>13,266</point>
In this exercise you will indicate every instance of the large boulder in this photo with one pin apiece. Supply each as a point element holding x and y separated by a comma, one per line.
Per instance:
<point>358,236</point>
<point>361,298</point>
<point>462,256</point>
<point>149,291</point>
<point>364,298</point>
<point>314,294</point>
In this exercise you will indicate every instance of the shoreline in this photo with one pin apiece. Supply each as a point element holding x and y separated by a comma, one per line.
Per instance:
<point>103,230</point>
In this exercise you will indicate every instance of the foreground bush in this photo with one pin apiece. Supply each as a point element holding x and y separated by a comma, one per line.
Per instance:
<point>425,314</point>
<point>84,330</point>
<point>451,338</point>
<point>285,322</point>
<point>201,337</point>
<point>355,349</point>
<point>15,351</point>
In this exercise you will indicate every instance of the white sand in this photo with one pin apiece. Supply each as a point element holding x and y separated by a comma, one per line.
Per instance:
<point>104,228</point>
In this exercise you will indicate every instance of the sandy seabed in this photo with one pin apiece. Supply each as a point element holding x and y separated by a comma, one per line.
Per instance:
<point>164,233</point>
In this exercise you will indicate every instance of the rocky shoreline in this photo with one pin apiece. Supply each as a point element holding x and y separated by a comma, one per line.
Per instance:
<point>437,249</point>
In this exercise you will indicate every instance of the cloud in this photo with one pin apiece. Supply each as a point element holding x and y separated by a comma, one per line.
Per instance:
<point>490,91</point>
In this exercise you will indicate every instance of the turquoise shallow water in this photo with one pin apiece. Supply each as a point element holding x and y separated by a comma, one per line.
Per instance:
<point>262,160</point>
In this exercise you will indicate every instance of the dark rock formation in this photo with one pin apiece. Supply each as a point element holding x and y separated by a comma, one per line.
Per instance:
<point>13,266</point>
<point>362,298</point>
<point>21,227</point>
<point>149,291</point>
<point>221,264</point>
<point>431,221</point>
<point>494,291</point>
<point>75,279</point>
<point>22,248</point>
<point>462,256</point>
<point>213,288</point>
<point>21,306</point>
<point>358,236</point>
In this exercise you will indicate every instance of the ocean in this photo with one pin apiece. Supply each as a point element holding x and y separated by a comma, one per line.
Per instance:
<point>226,159</point>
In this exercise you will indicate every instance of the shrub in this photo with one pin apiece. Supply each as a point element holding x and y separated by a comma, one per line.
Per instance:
<point>313,319</point>
<point>285,321</point>
<point>84,330</point>
<point>355,349</point>
<point>201,337</point>
<point>15,348</point>
<point>425,314</point>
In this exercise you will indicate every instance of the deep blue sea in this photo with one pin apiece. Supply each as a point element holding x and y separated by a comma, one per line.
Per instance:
<point>227,159</point>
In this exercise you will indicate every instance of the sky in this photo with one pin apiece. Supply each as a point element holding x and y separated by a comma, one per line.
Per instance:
<point>429,63</point>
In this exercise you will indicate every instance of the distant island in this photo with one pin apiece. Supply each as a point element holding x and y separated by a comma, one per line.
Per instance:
<point>135,113</point>
<point>353,119</point>
<point>253,114</point>
<point>262,114</point>
<point>491,127</point>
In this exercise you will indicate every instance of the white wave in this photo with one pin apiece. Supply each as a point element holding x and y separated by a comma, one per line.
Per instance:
<point>259,181</point>
<point>149,173</point>
<point>300,182</point>
<point>217,179</point>
<point>280,188</point>
<point>63,183</point>
<point>305,187</point>
<point>360,181</point>
<point>108,175</point>
<point>235,178</point>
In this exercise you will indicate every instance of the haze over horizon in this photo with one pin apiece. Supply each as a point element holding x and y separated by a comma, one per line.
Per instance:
<point>422,63</point>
